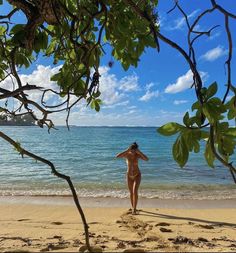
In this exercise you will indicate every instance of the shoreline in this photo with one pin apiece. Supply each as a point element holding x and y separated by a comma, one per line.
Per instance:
<point>107,202</point>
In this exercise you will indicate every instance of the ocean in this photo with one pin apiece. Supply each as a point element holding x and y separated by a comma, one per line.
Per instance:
<point>87,155</point>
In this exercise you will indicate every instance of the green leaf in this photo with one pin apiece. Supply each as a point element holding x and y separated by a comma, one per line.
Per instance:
<point>211,91</point>
<point>18,37</point>
<point>97,94</point>
<point>55,77</point>
<point>43,40</point>
<point>231,131</point>
<point>196,146</point>
<point>80,88</point>
<point>21,60</point>
<point>192,137</point>
<point>207,113</point>
<point>226,145</point>
<point>209,156</point>
<point>186,119</point>
<point>97,106</point>
<point>196,106</point>
<point>51,48</point>
<point>213,110</point>
<point>180,151</point>
<point>169,129</point>
<point>2,30</point>
<point>231,114</point>
<point>17,28</point>
<point>92,105</point>
<point>204,135</point>
<point>231,106</point>
<point>125,65</point>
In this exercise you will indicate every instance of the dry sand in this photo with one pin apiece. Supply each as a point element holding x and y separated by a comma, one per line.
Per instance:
<point>53,224</point>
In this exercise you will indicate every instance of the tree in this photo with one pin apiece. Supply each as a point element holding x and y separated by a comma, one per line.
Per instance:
<point>21,120</point>
<point>73,33</point>
<point>209,120</point>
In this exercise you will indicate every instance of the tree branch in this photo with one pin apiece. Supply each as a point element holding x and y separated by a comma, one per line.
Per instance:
<point>56,173</point>
<point>7,94</point>
<point>228,61</point>
<point>218,157</point>
<point>8,16</point>
<point>221,9</point>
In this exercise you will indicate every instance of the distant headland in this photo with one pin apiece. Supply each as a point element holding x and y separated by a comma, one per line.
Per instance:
<point>22,120</point>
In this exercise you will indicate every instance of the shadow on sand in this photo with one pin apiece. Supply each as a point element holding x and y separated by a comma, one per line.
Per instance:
<point>165,216</point>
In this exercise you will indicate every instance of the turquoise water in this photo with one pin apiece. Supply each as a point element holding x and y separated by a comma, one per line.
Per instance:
<point>87,155</point>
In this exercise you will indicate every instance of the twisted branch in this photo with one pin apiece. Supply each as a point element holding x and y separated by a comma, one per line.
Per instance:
<point>23,152</point>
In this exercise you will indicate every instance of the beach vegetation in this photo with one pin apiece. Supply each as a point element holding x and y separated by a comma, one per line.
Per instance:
<point>211,119</point>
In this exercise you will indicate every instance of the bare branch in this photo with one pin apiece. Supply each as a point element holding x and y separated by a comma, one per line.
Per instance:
<point>8,16</point>
<point>196,75</point>
<point>176,2</point>
<point>56,173</point>
<point>221,9</point>
<point>228,61</point>
<point>17,91</point>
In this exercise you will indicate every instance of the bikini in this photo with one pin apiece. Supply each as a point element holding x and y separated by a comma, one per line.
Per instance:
<point>132,177</point>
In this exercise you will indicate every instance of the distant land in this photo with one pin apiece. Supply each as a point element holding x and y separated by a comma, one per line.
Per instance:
<point>22,120</point>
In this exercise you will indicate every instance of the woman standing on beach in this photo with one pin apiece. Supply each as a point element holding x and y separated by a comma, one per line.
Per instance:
<point>132,154</point>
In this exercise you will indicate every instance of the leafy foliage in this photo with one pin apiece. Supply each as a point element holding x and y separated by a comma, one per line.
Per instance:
<point>191,133</point>
<point>74,34</point>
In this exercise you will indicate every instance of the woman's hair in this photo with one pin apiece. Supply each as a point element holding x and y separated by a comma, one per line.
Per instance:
<point>134,146</point>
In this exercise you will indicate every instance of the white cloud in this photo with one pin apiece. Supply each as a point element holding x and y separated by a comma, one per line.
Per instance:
<point>132,107</point>
<point>180,22</point>
<point>129,83</point>
<point>127,118</point>
<point>113,91</point>
<point>149,86</point>
<point>108,87</point>
<point>166,116</point>
<point>149,94</point>
<point>123,103</point>
<point>214,35</point>
<point>39,77</point>
<point>183,82</point>
<point>214,53</point>
<point>229,97</point>
<point>179,102</point>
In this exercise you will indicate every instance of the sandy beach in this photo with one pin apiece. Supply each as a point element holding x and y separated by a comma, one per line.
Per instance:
<point>35,224</point>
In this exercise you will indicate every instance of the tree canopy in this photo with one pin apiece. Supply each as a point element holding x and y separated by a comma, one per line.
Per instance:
<point>73,33</point>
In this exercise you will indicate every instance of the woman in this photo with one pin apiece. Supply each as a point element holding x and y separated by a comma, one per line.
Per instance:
<point>132,154</point>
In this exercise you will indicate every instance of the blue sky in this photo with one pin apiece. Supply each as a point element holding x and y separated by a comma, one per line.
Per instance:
<point>158,90</point>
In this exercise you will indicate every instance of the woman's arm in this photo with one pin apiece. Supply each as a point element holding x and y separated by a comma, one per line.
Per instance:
<point>141,155</point>
<point>122,154</point>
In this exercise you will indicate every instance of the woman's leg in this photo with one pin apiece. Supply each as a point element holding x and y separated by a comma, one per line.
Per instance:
<point>135,192</point>
<point>130,183</point>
